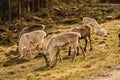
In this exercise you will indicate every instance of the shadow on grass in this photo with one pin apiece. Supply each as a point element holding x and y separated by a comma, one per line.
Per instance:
<point>14,61</point>
<point>13,58</point>
<point>45,68</point>
<point>14,53</point>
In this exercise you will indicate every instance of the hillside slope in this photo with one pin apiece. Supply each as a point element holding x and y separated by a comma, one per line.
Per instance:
<point>105,55</point>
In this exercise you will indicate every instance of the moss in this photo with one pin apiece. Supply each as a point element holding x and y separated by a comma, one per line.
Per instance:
<point>42,14</point>
<point>70,21</point>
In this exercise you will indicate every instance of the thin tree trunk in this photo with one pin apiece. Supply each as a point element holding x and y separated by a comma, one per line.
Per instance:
<point>38,6</point>
<point>4,10</point>
<point>28,6</point>
<point>1,10</point>
<point>9,10</point>
<point>44,3</point>
<point>32,6</point>
<point>19,9</point>
<point>49,3</point>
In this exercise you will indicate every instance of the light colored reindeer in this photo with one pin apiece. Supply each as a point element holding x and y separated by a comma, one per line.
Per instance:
<point>94,24</point>
<point>55,44</point>
<point>27,39</point>
<point>30,29</point>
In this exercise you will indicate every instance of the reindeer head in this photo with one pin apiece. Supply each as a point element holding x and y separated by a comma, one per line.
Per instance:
<point>46,60</point>
<point>102,32</point>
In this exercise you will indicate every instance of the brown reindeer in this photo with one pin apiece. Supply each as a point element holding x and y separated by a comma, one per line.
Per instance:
<point>31,28</point>
<point>84,30</point>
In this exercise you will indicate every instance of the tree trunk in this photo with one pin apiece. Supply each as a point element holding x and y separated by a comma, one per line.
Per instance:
<point>32,6</point>
<point>4,10</point>
<point>19,9</point>
<point>28,6</point>
<point>0,10</point>
<point>9,10</point>
<point>49,3</point>
<point>38,6</point>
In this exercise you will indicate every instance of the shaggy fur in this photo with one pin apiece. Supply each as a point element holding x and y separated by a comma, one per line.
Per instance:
<point>84,30</point>
<point>94,24</point>
<point>30,29</point>
<point>28,39</point>
<point>63,40</point>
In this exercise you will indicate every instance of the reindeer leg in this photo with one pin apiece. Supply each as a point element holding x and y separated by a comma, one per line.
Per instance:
<point>90,42</point>
<point>30,52</point>
<point>60,56</point>
<point>82,51</point>
<point>78,47</point>
<point>57,54</point>
<point>119,42</point>
<point>20,52</point>
<point>78,51</point>
<point>39,47</point>
<point>69,53</point>
<point>85,44</point>
<point>74,55</point>
<point>21,56</point>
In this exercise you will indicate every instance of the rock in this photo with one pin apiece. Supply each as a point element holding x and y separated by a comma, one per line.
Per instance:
<point>102,42</point>
<point>109,17</point>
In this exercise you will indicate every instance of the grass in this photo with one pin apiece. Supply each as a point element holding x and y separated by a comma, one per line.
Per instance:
<point>102,57</point>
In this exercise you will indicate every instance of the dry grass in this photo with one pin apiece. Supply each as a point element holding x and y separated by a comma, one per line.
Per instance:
<point>105,54</point>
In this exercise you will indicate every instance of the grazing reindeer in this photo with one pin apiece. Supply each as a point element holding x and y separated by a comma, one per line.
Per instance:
<point>84,30</point>
<point>27,39</point>
<point>95,25</point>
<point>63,40</point>
<point>30,29</point>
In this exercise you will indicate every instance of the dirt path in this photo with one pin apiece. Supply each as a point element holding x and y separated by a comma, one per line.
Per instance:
<point>108,74</point>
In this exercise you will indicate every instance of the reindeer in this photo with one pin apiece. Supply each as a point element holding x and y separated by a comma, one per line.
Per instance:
<point>84,30</point>
<point>27,39</point>
<point>30,29</point>
<point>95,25</point>
<point>56,43</point>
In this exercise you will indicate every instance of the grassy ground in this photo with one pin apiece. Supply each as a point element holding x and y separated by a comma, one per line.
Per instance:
<point>105,54</point>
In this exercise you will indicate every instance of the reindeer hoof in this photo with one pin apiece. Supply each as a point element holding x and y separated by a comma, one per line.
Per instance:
<point>90,49</point>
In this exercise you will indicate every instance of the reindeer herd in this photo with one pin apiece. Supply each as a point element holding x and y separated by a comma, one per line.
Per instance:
<point>36,35</point>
